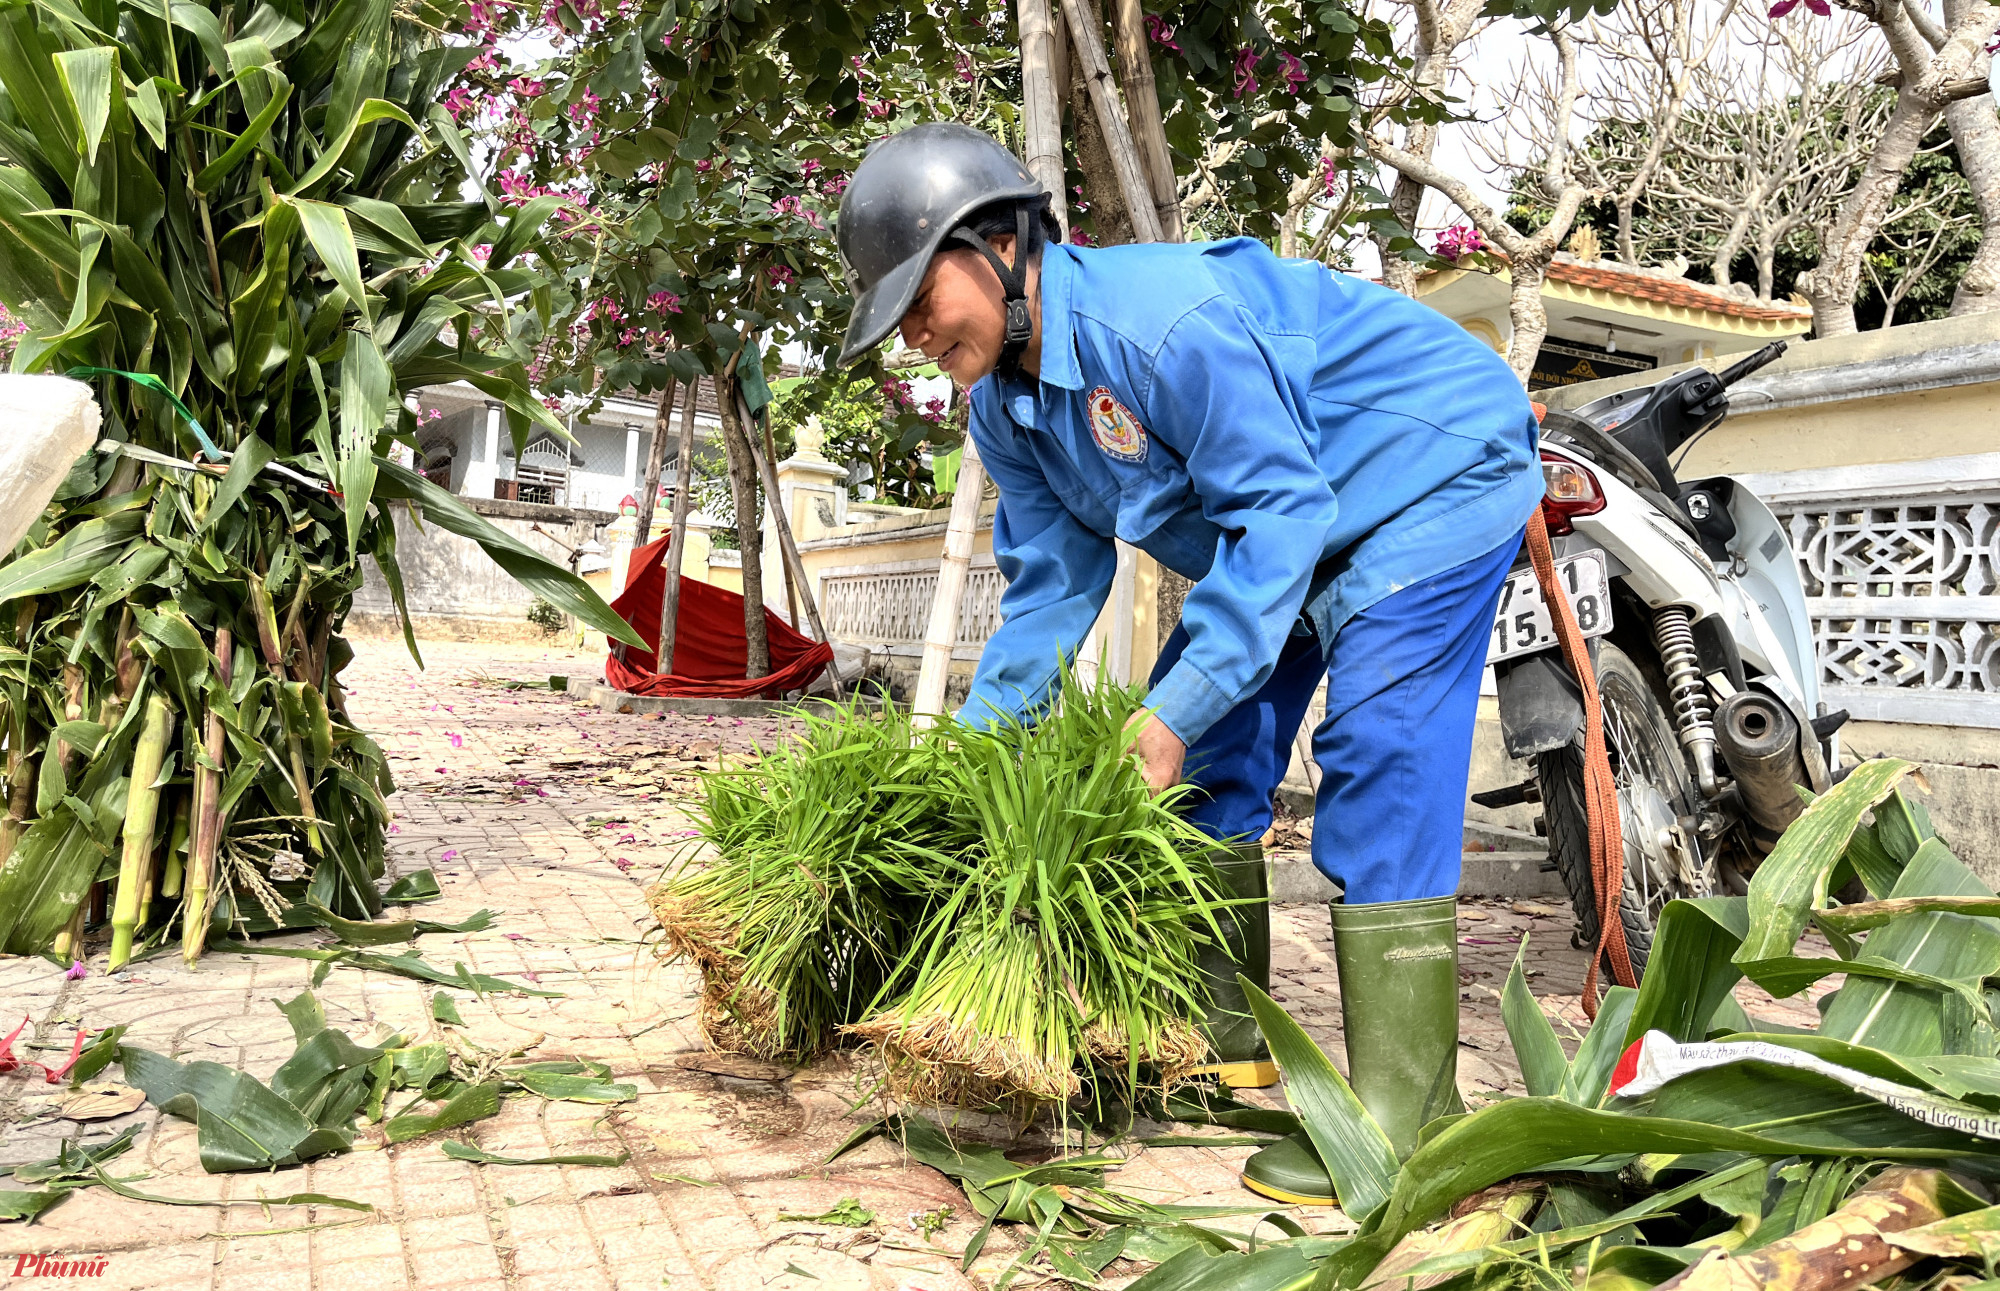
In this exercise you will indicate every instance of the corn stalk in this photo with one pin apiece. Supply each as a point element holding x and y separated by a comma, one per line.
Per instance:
<point>243,223</point>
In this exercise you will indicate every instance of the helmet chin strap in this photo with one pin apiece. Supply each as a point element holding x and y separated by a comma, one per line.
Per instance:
<point>1014,288</point>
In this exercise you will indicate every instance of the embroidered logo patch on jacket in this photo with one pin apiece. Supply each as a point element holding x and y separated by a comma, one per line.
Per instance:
<point>1114,427</point>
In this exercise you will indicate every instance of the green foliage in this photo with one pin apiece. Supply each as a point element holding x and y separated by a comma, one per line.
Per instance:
<point>710,144</point>
<point>1763,1146</point>
<point>547,617</point>
<point>252,210</point>
<point>875,423</point>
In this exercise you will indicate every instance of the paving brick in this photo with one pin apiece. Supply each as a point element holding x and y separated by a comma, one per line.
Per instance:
<point>540,854</point>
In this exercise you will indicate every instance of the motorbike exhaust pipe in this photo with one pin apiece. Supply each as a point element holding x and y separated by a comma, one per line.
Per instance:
<point>1759,740</point>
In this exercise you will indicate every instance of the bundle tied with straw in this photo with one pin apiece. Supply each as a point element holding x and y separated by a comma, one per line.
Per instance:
<point>1077,903</point>
<point>822,878</point>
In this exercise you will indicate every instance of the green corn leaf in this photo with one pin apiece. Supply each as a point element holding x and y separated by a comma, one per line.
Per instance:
<point>88,75</point>
<point>1590,1074</point>
<point>371,111</point>
<point>1909,1018</point>
<point>480,1156</point>
<point>1748,1174</point>
<point>241,1124</point>
<point>1871,861</point>
<point>1275,1268</point>
<point>472,1103</point>
<point>252,456</point>
<point>71,559</point>
<point>124,1189</point>
<point>367,392</point>
<point>392,576</point>
<point>530,568</point>
<point>1521,1135</point>
<point>326,228</point>
<point>418,885</point>
<point>1543,1064</point>
<point>574,1089</point>
<point>100,1053</point>
<point>17,1205</point>
<point>445,1009</point>
<point>243,145</point>
<point>1791,883</point>
<point>1352,1146</point>
<point>1691,970</point>
<point>1903,826</point>
<point>521,230</point>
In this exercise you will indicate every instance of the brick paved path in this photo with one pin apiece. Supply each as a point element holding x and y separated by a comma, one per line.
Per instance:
<point>556,816</point>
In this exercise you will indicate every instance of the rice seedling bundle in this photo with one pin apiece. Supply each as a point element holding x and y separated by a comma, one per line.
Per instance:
<point>824,875</point>
<point>1071,933</point>
<point>995,910</point>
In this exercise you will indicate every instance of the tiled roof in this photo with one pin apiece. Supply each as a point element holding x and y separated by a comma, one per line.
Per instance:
<point>1679,292</point>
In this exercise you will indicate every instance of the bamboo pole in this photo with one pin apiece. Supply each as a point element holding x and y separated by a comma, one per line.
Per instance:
<point>788,546</point>
<point>1041,114</point>
<point>784,524</point>
<point>1142,107</point>
<point>1041,109</point>
<point>1132,180</point>
<point>670,591</point>
<point>941,635</point>
<point>749,531</point>
<point>207,815</point>
<point>142,804</point>
<point>656,457</point>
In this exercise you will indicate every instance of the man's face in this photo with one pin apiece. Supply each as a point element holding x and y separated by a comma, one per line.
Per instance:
<point>959,315</point>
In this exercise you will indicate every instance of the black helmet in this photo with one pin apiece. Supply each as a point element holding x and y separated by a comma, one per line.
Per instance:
<point>911,192</point>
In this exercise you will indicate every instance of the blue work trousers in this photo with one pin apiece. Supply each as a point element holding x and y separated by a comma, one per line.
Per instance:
<point>1394,751</point>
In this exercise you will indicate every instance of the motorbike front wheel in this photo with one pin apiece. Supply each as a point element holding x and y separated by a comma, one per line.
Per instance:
<point>1657,808</point>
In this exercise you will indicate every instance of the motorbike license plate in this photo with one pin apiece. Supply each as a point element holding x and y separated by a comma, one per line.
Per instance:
<point>1522,623</point>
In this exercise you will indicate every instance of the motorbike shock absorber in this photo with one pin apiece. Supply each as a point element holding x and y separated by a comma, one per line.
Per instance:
<point>1674,633</point>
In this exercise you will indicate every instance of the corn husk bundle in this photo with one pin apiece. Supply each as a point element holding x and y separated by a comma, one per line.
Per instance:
<point>244,225</point>
<point>995,910</point>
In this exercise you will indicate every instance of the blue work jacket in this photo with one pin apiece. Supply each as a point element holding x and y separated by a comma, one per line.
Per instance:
<point>1298,442</point>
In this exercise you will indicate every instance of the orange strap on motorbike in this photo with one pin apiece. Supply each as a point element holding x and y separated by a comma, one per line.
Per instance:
<point>1600,790</point>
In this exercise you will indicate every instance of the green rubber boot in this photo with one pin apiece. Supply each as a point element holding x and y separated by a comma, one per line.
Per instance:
<point>1399,1008</point>
<point>1242,1061</point>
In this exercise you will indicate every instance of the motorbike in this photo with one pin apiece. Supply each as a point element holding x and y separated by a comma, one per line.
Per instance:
<point>1689,594</point>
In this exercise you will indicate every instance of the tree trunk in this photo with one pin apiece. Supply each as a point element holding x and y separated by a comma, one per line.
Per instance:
<point>1093,158</point>
<point>656,457</point>
<point>1976,131</point>
<point>749,531</point>
<point>1525,310</point>
<point>1406,201</point>
<point>1831,284</point>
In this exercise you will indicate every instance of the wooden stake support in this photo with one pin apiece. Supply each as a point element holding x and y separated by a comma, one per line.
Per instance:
<point>670,592</point>
<point>788,547</point>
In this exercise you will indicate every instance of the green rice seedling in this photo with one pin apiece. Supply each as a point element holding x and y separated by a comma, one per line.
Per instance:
<point>1070,931</point>
<point>820,874</point>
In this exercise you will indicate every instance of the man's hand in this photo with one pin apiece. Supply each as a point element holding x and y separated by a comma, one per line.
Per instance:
<point>1161,751</point>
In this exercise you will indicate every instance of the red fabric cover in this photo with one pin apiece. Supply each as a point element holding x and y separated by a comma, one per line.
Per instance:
<point>709,649</point>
